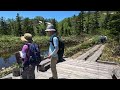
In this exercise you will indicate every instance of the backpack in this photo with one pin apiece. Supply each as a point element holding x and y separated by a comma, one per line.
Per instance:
<point>34,54</point>
<point>61,49</point>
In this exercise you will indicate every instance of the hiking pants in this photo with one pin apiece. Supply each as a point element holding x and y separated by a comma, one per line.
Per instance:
<point>28,72</point>
<point>53,67</point>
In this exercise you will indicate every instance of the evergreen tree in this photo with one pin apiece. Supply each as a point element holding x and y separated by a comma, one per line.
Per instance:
<point>88,22</point>
<point>18,26</point>
<point>4,27</point>
<point>106,20</point>
<point>114,26</point>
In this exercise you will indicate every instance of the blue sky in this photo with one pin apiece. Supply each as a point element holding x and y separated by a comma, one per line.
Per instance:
<point>58,15</point>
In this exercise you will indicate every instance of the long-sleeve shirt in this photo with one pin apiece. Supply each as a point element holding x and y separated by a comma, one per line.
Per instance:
<point>53,49</point>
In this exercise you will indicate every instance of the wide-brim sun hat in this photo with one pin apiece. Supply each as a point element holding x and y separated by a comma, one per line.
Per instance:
<point>50,27</point>
<point>26,37</point>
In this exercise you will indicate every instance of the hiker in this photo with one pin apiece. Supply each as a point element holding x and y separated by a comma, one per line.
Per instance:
<point>30,55</point>
<point>103,39</point>
<point>53,50</point>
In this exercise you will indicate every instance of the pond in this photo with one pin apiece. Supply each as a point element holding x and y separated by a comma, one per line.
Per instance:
<point>9,59</point>
<point>7,62</point>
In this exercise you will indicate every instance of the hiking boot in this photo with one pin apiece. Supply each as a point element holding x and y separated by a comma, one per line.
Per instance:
<point>51,78</point>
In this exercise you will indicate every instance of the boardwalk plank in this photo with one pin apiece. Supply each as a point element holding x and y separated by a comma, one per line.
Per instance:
<point>85,55</point>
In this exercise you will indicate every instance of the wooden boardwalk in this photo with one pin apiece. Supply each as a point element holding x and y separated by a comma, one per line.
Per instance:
<point>83,67</point>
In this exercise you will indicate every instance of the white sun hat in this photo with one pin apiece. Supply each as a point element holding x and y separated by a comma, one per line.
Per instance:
<point>50,27</point>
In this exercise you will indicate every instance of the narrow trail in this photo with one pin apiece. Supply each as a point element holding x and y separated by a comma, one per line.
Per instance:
<point>83,67</point>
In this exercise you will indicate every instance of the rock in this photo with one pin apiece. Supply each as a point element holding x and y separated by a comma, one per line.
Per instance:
<point>16,72</point>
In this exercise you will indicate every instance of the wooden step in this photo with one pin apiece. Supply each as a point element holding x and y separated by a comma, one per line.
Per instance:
<point>44,65</point>
<point>44,62</point>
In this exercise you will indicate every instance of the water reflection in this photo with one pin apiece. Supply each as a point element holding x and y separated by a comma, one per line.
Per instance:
<point>7,62</point>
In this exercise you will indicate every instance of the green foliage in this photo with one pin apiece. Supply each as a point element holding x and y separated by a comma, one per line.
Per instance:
<point>20,25</point>
<point>111,52</point>
<point>4,27</point>
<point>54,22</point>
<point>88,22</point>
<point>106,20</point>
<point>86,44</point>
<point>72,30</point>
<point>85,22</point>
<point>114,25</point>
<point>8,70</point>
<point>10,44</point>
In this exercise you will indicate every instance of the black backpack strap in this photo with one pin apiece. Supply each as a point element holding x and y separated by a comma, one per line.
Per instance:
<point>52,40</point>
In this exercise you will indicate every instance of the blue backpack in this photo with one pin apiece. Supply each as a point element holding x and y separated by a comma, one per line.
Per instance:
<point>34,54</point>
